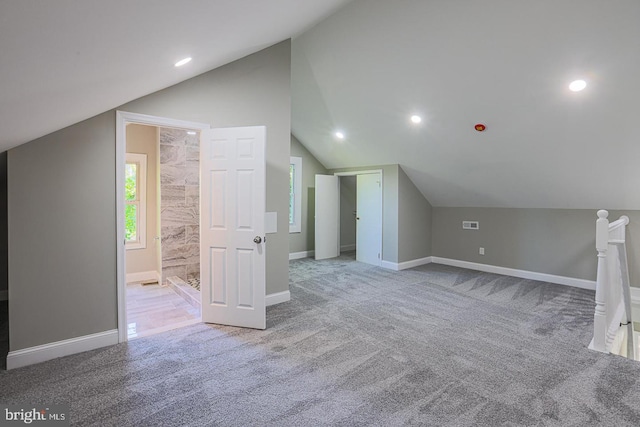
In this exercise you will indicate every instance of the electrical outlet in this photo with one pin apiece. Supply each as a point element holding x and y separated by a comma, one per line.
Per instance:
<point>481,251</point>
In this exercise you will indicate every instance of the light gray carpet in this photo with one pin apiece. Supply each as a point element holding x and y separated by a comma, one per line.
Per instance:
<point>360,346</point>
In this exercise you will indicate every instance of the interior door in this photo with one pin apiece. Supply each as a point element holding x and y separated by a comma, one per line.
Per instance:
<point>327,217</point>
<point>232,212</point>
<point>369,218</point>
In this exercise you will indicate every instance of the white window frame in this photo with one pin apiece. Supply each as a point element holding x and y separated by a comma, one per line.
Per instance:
<point>141,201</point>
<point>296,225</point>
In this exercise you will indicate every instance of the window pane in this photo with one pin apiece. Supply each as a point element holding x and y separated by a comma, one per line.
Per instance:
<point>130,178</point>
<point>131,223</point>
<point>292,173</point>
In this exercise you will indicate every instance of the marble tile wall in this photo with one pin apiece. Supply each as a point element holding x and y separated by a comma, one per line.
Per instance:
<point>179,204</point>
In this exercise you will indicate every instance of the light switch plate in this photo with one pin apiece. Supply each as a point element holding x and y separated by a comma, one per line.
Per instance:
<point>271,222</point>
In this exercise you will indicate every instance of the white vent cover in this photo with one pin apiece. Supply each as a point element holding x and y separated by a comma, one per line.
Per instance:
<point>470,225</point>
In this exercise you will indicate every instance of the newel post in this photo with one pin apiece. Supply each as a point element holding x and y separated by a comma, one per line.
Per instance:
<point>600,316</point>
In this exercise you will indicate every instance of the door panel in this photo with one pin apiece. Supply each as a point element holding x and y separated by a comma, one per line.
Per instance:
<point>327,217</point>
<point>369,218</point>
<point>233,200</point>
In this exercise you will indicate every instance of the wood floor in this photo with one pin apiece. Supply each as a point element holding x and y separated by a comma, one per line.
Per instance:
<point>152,309</point>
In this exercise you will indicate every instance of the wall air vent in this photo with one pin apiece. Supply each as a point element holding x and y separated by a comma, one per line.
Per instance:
<point>470,225</point>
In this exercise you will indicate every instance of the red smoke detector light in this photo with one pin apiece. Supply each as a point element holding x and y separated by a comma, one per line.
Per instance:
<point>480,127</point>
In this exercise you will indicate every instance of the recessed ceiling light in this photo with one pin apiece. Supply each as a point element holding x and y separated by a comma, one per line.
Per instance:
<point>416,119</point>
<point>182,62</point>
<point>339,135</point>
<point>191,132</point>
<point>577,85</point>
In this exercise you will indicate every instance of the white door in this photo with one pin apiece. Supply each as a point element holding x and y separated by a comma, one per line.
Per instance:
<point>369,218</point>
<point>327,217</point>
<point>232,211</point>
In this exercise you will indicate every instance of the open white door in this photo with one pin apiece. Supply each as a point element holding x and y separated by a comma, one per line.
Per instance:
<point>369,218</point>
<point>327,216</point>
<point>232,212</point>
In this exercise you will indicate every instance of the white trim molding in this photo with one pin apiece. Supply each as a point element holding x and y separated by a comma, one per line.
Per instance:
<point>143,276</point>
<point>532,275</point>
<point>277,298</point>
<point>42,353</point>
<point>300,255</point>
<point>4,295</point>
<point>346,248</point>
<point>405,265</point>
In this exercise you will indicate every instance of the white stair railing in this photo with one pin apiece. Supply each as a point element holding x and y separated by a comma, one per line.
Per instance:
<point>612,316</point>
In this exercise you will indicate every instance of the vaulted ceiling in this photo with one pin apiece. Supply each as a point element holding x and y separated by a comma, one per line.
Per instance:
<point>366,69</point>
<point>64,61</point>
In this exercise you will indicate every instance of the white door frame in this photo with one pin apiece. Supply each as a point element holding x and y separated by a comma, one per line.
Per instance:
<point>363,172</point>
<point>122,118</point>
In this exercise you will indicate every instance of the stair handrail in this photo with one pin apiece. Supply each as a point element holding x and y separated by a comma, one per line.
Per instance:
<point>613,294</point>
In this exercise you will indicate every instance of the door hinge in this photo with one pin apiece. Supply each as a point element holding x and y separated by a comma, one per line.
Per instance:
<point>378,256</point>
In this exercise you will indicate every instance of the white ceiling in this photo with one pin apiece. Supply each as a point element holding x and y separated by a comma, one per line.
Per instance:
<point>364,70</point>
<point>64,61</point>
<point>504,63</point>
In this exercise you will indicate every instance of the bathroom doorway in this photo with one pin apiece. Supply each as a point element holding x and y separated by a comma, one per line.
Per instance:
<point>161,228</point>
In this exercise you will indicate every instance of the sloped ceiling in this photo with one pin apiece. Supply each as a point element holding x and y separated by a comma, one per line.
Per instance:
<point>504,63</point>
<point>63,61</point>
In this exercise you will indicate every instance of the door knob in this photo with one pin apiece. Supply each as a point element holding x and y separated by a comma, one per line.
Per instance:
<point>257,239</point>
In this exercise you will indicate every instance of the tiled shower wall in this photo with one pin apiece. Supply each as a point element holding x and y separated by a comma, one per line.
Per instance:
<point>179,204</point>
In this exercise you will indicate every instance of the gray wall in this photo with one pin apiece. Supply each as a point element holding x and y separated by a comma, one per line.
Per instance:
<point>348,203</point>
<point>389,208</point>
<point>552,241</point>
<point>305,240</point>
<point>3,224</point>
<point>414,221</point>
<point>62,240</point>
<point>255,90</point>
<point>62,236</point>
<point>144,140</point>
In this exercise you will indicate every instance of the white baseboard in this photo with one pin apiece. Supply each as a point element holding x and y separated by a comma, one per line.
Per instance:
<point>532,275</point>
<point>346,248</point>
<point>42,353</point>
<point>277,298</point>
<point>407,264</point>
<point>4,295</point>
<point>300,255</point>
<point>143,275</point>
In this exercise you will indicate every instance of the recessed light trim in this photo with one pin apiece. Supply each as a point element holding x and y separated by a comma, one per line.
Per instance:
<point>183,62</point>
<point>577,85</point>
<point>339,135</point>
<point>416,119</point>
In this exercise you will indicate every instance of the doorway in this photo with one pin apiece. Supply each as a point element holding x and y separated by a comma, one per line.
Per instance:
<point>161,228</point>
<point>349,215</point>
<point>160,231</point>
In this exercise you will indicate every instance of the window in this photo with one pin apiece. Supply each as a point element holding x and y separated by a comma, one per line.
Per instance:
<point>135,187</point>
<point>295,195</point>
